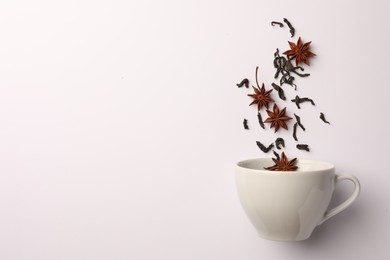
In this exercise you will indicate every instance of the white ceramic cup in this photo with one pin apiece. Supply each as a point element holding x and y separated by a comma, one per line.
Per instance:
<point>287,206</point>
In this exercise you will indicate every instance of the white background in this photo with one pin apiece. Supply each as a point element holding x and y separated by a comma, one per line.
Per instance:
<point>121,125</point>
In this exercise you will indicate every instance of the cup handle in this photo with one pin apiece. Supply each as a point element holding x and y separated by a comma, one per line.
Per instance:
<point>339,178</point>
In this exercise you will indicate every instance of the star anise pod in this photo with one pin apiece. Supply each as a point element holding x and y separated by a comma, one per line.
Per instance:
<point>277,118</point>
<point>261,97</point>
<point>283,164</point>
<point>299,52</point>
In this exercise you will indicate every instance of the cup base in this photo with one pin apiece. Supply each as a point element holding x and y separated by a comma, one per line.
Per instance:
<point>282,239</point>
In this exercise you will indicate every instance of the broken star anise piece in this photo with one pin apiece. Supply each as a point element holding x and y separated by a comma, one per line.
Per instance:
<point>261,97</point>
<point>299,52</point>
<point>283,164</point>
<point>277,118</point>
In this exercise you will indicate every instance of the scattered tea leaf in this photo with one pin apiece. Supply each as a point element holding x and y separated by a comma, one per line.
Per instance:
<point>276,155</point>
<point>263,148</point>
<point>299,100</point>
<point>288,79</point>
<point>322,116</point>
<point>244,82</point>
<point>295,132</point>
<point>279,90</point>
<point>304,147</point>
<point>299,122</point>
<point>292,29</point>
<point>290,68</point>
<point>260,120</point>
<point>278,23</point>
<point>279,141</point>
<point>279,63</point>
<point>276,54</point>
<point>246,124</point>
<point>284,67</point>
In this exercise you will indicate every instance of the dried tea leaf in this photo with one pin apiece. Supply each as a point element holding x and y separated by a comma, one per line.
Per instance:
<point>279,141</point>
<point>273,23</point>
<point>299,122</point>
<point>303,147</point>
<point>295,132</point>
<point>246,124</point>
<point>297,100</point>
<point>244,82</point>
<point>292,29</point>
<point>263,148</point>
<point>279,90</point>
<point>261,123</point>
<point>322,116</point>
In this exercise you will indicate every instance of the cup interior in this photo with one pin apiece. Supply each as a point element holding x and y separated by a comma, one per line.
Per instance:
<point>304,165</point>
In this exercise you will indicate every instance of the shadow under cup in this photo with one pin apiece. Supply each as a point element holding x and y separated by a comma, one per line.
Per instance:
<point>287,206</point>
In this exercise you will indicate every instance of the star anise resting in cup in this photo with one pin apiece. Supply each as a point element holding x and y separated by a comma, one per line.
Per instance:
<point>283,164</point>
<point>299,52</point>
<point>277,118</point>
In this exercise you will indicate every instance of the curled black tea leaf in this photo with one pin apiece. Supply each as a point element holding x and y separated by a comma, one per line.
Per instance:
<point>284,67</point>
<point>278,23</point>
<point>295,132</point>
<point>288,79</point>
<point>279,90</point>
<point>322,116</point>
<point>263,148</point>
<point>276,155</point>
<point>260,120</point>
<point>292,29</point>
<point>299,100</point>
<point>305,99</point>
<point>246,124</point>
<point>303,147</point>
<point>279,63</point>
<point>276,54</point>
<point>299,122</point>
<point>290,68</point>
<point>279,141</point>
<point>243,82</point>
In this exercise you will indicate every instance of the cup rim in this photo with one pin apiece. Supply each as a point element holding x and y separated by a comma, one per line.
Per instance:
<point>329,166</point>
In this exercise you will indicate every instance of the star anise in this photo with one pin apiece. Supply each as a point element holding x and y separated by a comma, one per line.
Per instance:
<point>299,52</point>
<point>277,118</point>
<point>283,164</point>
<point>261,97</point>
